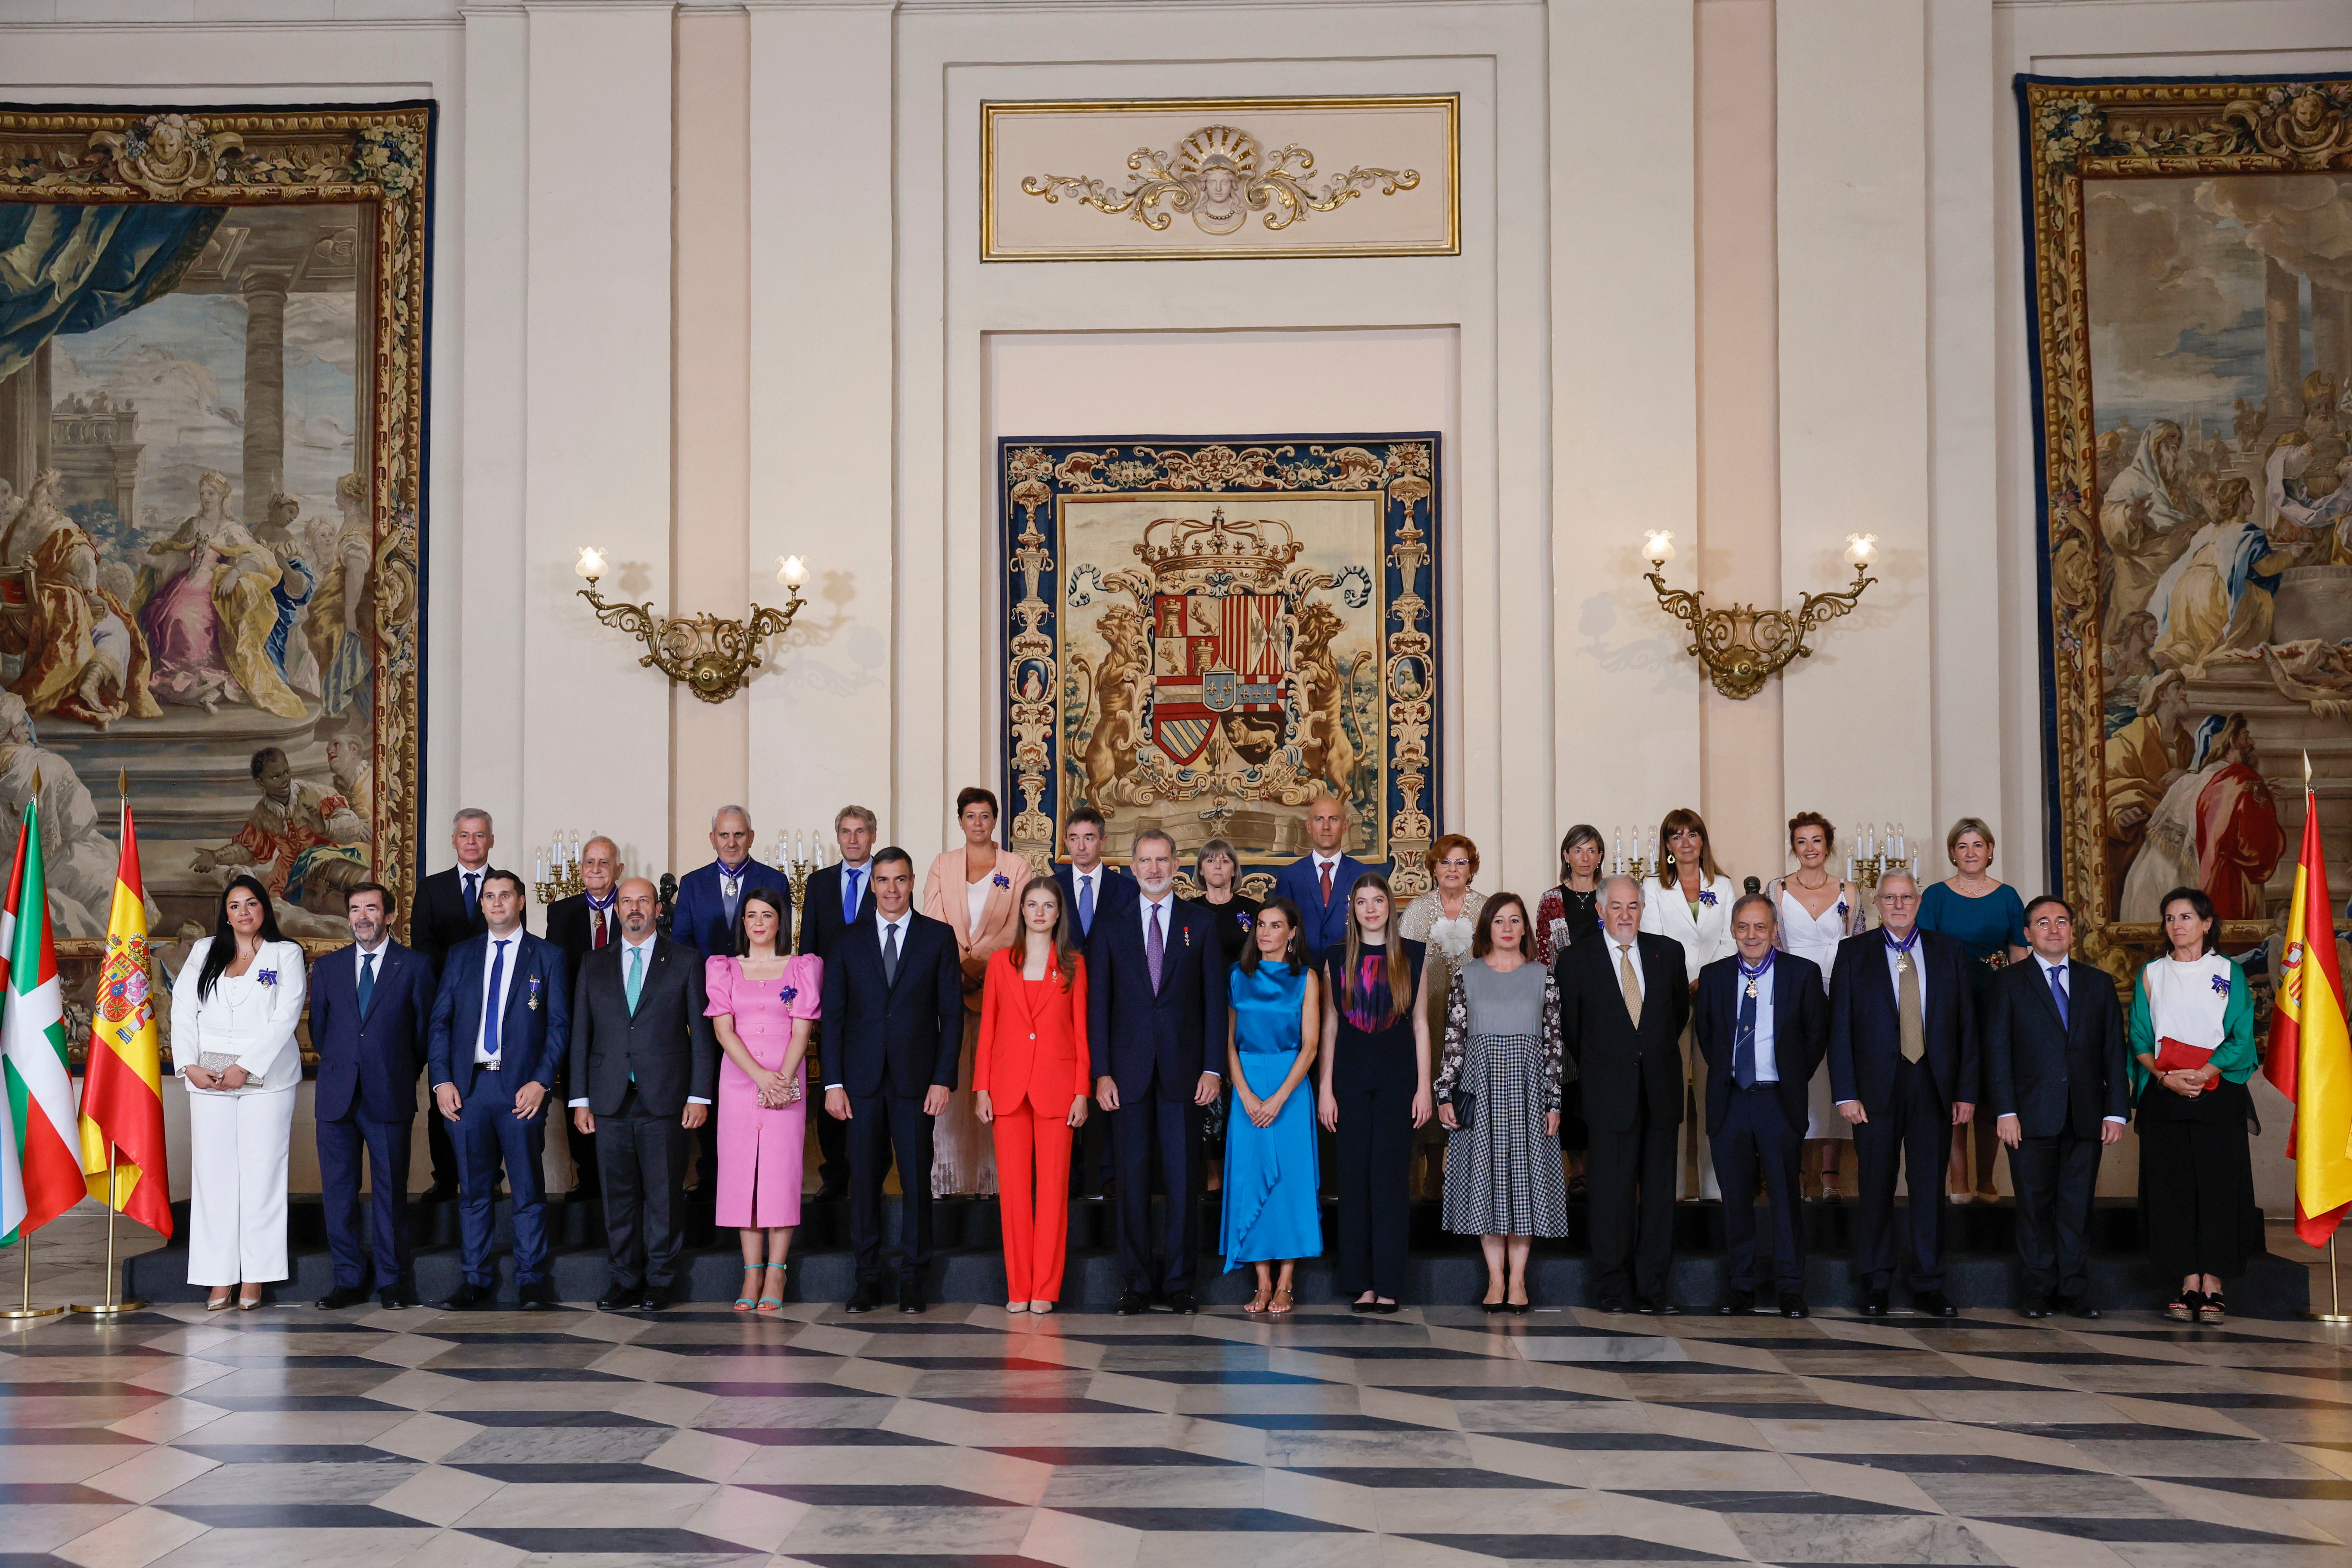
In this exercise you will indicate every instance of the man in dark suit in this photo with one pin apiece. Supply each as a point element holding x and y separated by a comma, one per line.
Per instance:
<point>1903,1068</point>
<point>837,897</point>
<point>1091,886</point>
<point>445,910</point>
<point>1155,1009</point>
<point>644,1069</point>
<point>500,1024</point>
<point>894,1021</point>
<point>578,926</point>
<point>1762,1026</point>
<point>2054,1073</point>
<point>710,896</point>
<point>370,1005</point>
<point>1623,1001</point>
<point>1318,883</point>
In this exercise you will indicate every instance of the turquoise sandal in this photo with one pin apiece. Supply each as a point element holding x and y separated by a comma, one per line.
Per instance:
<point>773,1303</point>
<point>743,1303</point>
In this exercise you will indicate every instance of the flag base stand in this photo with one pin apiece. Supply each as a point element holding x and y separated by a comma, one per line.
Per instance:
<point>24,1308</point>
<point>2336,1313</point>
<point>111,1307</point>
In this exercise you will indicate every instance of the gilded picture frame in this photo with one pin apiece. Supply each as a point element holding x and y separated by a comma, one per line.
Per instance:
<point>2194,579</point>
<point>274,743</point>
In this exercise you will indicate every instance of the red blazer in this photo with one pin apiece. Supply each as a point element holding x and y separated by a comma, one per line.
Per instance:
<point>1034,1053</point>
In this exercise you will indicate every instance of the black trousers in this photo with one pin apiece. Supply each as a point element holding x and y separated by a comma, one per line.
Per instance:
<point>1148,1131</point>
<point>1629,1181</point>
<point>1913,1132</point>
<point>641,1159</point>
<point>1756,1135</point>
<point>1374,1175</point>
<point>884,1127</point>
<point>384,1144</point>
<point>2055,1178</point>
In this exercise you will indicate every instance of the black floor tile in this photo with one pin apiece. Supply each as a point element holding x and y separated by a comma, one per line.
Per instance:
<point>879,1495</point>
<point>1081,1457</point>
<point>644,1542</point>
<point>292,1516</point>
<point>1572,1549</point>
<point>1438,1478</point>
<point>827,1437</point>
<point>1948,1464</point>
<point>1228,1520</point>
<point>1770,1502</point>
<point>2176,1531</point>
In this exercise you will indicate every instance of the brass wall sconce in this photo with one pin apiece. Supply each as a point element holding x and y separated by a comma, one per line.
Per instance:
<point>710,655</point>
<point>1742,646</point>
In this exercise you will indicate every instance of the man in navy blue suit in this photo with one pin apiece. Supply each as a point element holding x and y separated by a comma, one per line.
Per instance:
<point>1155,1024</point>
<point>1762,1020</point>
<point>1903,1070</point>
<point>1318,883</point>
<point>1091,886</point>
<point>371,1006</point>
<point>501,1023</point>
<point>710,896</point>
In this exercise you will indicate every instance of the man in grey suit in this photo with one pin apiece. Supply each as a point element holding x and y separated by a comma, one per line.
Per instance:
<point>644,1069</point>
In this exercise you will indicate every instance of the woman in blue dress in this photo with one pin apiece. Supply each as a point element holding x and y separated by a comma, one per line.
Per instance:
<point>1985,915</point>
<point>1270,1211</point>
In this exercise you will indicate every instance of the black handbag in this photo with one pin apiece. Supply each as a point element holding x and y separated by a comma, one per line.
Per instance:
<point>1466,1109</point>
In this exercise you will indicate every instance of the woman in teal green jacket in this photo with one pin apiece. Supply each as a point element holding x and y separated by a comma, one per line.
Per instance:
<point>2196,1171</point>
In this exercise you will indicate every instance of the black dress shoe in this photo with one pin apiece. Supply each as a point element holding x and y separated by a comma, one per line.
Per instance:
<point>1934,1304</point>
<point>910,1296</point>
<point>342,1296</point>
<point>1131,1304</point>
<point>1181,1302</point>
<point>2080,1307</point>
<point>656,1298</point>
<point>396,1297</point>
<point>1792,1305</point>
<point>864,1298</point>
<point>468,1298</point>
<point>540,1297</point>
<point>1360,1307</point>
<point>1738,1304</point>
<point>1615,1305</point>
<point>2035,1307</point>
<point>1385,1308</point>
<point>1873,1302</point>
<point>1656,1309</point>
<point>439,1193</point>
<point>620,1298</point>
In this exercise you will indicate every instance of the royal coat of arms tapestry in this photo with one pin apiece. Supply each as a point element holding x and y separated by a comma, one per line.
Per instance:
<point>1203,636</point>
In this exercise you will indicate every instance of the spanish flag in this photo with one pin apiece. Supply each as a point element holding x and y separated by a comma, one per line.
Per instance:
<point>2310,1058</point>
<point>122,1095</point>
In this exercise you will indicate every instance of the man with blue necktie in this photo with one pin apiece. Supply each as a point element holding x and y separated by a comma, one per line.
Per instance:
<point>835,898</point>
<point>709,897</point>
<point>1091,888</point>
<point>1318,883</point>
<point>501,1022</point>
<point>1761,1018</point>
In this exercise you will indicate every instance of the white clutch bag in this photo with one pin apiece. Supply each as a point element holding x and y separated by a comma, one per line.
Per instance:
<point>219,1062</point>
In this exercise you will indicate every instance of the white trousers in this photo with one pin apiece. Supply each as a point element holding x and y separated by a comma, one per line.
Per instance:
<point>237,1148</point>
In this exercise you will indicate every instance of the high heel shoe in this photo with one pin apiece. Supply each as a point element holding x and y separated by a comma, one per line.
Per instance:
<point>220,1303</point>
<point>2184,1307</point>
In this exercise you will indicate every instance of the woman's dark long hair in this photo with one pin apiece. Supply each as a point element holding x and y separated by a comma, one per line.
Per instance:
<point>2196,898</point>
<point>218,956</point>
<point>1065,952</point>
<point>780,902</point>
<point>1397,967</point>
<point>1293,952</point>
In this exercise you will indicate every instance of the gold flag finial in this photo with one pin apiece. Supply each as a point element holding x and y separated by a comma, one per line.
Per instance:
<point>2307,768</point>
<point>123,784</point>
<point>36,783</point>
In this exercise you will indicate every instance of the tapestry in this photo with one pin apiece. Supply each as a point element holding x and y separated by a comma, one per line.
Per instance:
<point>1202,636</point>
<point>2192,314</point>
<point>212,460</point>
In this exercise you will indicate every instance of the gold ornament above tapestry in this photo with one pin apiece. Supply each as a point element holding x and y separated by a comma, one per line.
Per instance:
<point>1220,178</point>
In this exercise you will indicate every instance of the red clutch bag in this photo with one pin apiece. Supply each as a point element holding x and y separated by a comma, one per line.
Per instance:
<point>2172,1056</point>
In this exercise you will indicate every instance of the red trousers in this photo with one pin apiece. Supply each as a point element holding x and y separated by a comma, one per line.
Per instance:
<point>1032,1184</point>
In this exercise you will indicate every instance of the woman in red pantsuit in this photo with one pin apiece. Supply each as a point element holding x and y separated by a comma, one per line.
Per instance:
<point>1030,1085</point>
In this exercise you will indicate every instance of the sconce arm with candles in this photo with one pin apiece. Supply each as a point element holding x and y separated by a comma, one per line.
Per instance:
<point>710,655</point>
<point>1742,646</point>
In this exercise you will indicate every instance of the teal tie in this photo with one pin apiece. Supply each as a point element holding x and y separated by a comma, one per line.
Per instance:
<point>637,981</point>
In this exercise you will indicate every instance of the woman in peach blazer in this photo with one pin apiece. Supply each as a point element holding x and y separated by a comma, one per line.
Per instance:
<point>1030,1083</point>
<point>975,889</point>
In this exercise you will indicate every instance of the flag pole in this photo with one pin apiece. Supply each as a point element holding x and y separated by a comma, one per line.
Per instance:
<point>2336,1313</point>
<point>112,1306</point>
<point>24,1308</point>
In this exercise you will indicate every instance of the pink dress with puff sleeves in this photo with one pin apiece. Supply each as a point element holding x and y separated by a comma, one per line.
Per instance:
<point>760,1148</point>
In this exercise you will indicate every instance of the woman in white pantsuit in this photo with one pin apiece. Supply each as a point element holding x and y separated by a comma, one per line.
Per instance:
<point>1690,901</point>
<point>234,1007</point>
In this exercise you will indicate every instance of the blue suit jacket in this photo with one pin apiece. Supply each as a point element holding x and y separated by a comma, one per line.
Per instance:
<point>912,1026</point>
<point>699,919</point>
<point>1113,890</point>
<point>1180,1032</point>
<point>368,1064</point>
<point>1799,1032</point>
<point>1327,925</point>
<point>533,1033</point>
<point>1866,1034</point>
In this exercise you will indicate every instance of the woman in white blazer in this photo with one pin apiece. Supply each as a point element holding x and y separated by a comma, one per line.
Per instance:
<point>1690,901</point>
<point>234,1007</point>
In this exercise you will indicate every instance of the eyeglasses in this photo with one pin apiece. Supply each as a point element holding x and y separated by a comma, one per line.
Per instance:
<point>1453,865</point>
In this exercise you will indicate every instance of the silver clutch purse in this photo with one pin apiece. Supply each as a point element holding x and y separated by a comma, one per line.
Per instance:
<point>219,1062</point>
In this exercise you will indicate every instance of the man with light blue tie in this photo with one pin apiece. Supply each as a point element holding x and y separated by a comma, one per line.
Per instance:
<point>1090,886</point>
<point>836,898</point>
<point>501,1022</point>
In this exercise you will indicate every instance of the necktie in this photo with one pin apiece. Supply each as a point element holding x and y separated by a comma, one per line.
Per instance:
<point>890,955</point>
<point>1628,981</point>
<point>1743,1035</point>
<point>490,1007</point>
<point>1155,946</point>
<point>731,889</point>
<point>636,982</point>
<point>2058,989</point>
<point>473,893</point>
<point>367,981</point>
<point>1906,1007</point>
<point>1325,866</point>
<point>1085,906</point>
<point>849,876</point>
<point>596,937</point>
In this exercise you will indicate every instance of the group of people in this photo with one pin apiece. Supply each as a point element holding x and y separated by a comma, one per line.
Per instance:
<point>1272,1051</point>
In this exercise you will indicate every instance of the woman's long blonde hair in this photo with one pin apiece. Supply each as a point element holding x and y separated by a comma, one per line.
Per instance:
<point>1399,968</point>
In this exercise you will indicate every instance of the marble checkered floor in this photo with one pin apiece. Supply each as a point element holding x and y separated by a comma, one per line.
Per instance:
<point>966,1437</point>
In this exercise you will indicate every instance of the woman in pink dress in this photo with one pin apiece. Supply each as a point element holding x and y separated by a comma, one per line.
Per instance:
<point>763,1006</point>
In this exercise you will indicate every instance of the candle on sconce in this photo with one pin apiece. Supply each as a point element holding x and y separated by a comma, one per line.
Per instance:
<point>540,875</point>
<point>1901,853</point>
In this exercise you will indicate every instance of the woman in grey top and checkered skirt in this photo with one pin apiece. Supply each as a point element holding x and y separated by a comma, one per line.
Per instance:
<point>1498,1094</point>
